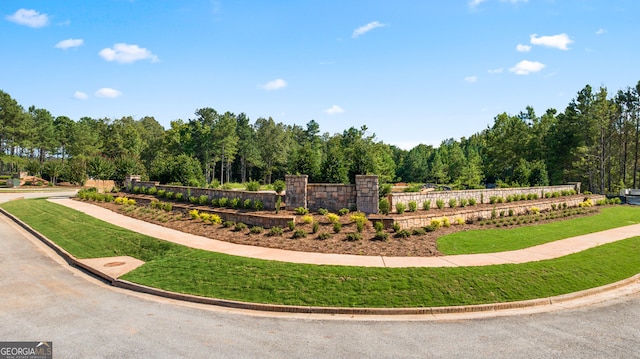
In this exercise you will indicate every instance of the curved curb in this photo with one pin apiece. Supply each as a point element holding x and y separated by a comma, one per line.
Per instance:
<point>120,283</point>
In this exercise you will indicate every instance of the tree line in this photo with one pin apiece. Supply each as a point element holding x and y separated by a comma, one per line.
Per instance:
<point>596,140</point>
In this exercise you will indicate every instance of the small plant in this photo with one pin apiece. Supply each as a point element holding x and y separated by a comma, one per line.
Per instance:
<point>214,219</point>
<point>554,206</point>
<point>161,193</point>
<point>426,205</point>
<point>383,206</point>
<point>418,232</point>
<point>360,222</point>
<point>252,186</point>
<point>453,202</point>
<point>299,234</point>
<point>178,196</point>
<point>315,227</point>
<point>223,202</point>
<point>400,207</point>
<point>343,211</point>
<point>228,224</point>
<point>167,207</point>
<point>275,231</point>
<point>381,236</point>
<point>395,226</point>
<point>333,218</point>
<point>291,225</point>
<point>445,222</point>
<point>203,199</point>
<point>403,233</point>
<point>510,198</point>
<point>324,235</point>
<point>307,219</point>
<point>279,186</point>
<point>169,195</point>
<point>459,221</point>
<point>234,203</point>
<point>352,237</point>
<point>278,204</point>
<point>502,213</point>
<point>413,206</point>
<point>337,227</point>
<point>240,227</point>
<point>300,211</point>
<point>440,204</point>
<point>435,224</point>
<point>493,199</point>
<point>493,213</point>
<point>378,226</point>
<point>215,202</point>
<point>535,210</point>
<point>322,211</point>
<point>136,189</point>
<point>152,190</point>
<point>256,230</point>
<point>463,202</point>
<point>193,200</point>
<point>247,204</point>
<point>258,205</point>
<point>472,201</point>
<point>510,212</point>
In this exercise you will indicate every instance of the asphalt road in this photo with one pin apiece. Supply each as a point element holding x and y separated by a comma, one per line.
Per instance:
<point>42,298</point>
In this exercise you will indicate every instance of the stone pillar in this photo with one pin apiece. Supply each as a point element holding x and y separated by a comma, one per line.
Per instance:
<point>367,194</point>
<point>129,179</point>
<point>296,193</point>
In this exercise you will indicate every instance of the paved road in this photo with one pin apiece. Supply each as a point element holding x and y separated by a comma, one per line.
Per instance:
<point>44,299</point>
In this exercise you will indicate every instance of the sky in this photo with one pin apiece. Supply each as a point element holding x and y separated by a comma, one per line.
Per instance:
<point>413,72</point>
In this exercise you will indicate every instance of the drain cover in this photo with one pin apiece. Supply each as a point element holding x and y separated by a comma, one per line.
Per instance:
<point>114,264</point>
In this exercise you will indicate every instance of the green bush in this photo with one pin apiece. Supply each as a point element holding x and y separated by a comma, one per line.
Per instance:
<point>240,227</point>
<point>413,206</point>
<point>315,227</point>
<point>403,233</point>
<point>275,232</point>
<point>352,237</point>
<point>395,226</point>
<point>256,230</point>
<point>234,202</point>
<point>228,224</point>
<point>384,190</point>
<point>383,206</point>
<point>337,227</point>
<point>343,211</point>
<point>426,205</point>
<point>463,202</point>
<point>299,234</point>
<point>445,222</point>
<point>400,207</point>
<point>169,194</point>
<point>300,211</point>
<point>452,203</point>
<point>324,235</point>
<point>152,190</point>
<point>435,224</point>
<point>472,201</point>
<point>258,205</point>
<point>291,225</point>
<point>178,196</point>
<point>161,193</point>
<point>223,202</point>
<point>252,186</point>
<point>322,211</point>
<point>203,199</point>
<point>418,232</point>
<point>279,186</point>
<point>440,204</point>
<point>378,226</point>
<point>360,222</point>
<point>381,236</point>
<point>247,204</point>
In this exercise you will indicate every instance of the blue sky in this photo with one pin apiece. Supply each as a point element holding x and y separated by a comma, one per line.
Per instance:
<point>411,71</point>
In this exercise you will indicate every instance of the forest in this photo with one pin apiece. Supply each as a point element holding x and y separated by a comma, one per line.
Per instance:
<point>595,140</point>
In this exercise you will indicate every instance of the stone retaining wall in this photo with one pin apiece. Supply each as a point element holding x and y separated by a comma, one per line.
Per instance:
<point>423,218</point>
<point>331,196</point>
<point>481,195</point>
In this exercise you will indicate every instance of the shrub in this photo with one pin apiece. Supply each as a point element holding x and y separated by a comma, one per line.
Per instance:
<point>440,204</point>
<point>530,196</point>
<point>227,186</point>
<point>413,206</point>
<point>240,227</point>
<point>169,195</point>
<point>168,207</point>
<point>252,186</point>
<point>136,189</point>
<point>403,233</point>
<point>343,211</point>
<point>337,227</point>
<point>299,234</point>
<point>426,205</point>
<point>429,228</point>
<point>291,225</point>
<point>510,198</point>
<point>223,202</point>
<point>333,218</point>
<point>324,235</point>
<point>214,183</point>
<point>307,219</point>
<point>247,204</point>
<point>493,213</point>
<point>502,213</point>
<point>383,206</point>
<point>418,232</point>
<point>510,212</point>
<point>554,206</point>
<point>193,200</point>
<point>194,214</point>
<point>472,201</point>
<point>459,221</point>
<point>275,231</point>
<point>315,227</point>
<point>152,190</point>
<point>215,202</point>
<point>234,202</point>
<point>463,202</point>
<point>453,202</point>
<point>445,222</point>
<point>300,211</point>
<point>360,222</point>
<point>279,186</point>
<point>493,199</point>
<point>228,224</point>
<point>203,199</point>
<point>278,204</point>
<point>256,230</point>
<point>258,205</point>
<point>601,202</point>
<point>435,224</point>
<point>381,236</point>
<point>178,196</point>
<point>352,237</point>
<point>322,211</point>
<point>535,210</point>
<point>161,193</point>
<point>400,207</point>
<point>378,226</point>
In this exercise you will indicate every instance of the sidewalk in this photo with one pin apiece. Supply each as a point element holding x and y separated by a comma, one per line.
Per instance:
<point>542,252</point>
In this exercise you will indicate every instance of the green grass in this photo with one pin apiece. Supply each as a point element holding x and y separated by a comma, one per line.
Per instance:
<point>499,240</point>
<point>180,269</point>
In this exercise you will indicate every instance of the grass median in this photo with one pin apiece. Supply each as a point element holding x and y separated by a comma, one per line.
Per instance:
<point>180,269</point>
<point>500,240</point>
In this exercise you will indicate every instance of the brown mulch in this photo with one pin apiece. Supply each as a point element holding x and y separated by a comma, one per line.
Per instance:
<point>413,246</point>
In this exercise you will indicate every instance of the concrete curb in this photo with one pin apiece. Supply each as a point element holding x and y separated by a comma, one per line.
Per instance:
<point>72,260</point>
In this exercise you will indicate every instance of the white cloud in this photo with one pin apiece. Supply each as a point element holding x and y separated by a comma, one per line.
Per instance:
<point>274,85</point>
<point>526,67</point>
<point>65,44</point>
<point>471,79</point>
<point>80,95</point>
<point>106,92</point>
<point>366,28</point>
<point>495,71</point>
<point>523,48</point>
<point>334,110</point>
<point>560,41</point>
<point>474,3</point>
<point>29,18</point>
<point>125,53</point>
<point>601,31</point>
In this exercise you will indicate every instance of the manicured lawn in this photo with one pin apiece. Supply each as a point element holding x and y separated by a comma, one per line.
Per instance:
<point>499,240</point>
<point>180,269</point>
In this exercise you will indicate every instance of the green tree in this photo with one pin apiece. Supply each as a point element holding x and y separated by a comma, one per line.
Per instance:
<point>273,144</point>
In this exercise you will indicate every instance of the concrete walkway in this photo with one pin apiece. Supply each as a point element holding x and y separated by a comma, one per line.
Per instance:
<point>542,252</point>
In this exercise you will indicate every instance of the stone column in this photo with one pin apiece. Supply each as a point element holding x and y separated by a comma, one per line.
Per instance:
<point>296,193</point>
<point>367,194</point>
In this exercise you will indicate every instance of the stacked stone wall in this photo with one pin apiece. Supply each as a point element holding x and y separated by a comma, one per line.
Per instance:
<point>481,195</point>
<point>296,191</point>
<point>367,194</point>
<point>330,196</point>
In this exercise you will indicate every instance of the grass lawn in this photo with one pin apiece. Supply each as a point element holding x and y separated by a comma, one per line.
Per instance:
<point>499,240</point>
<point>180,269</point>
